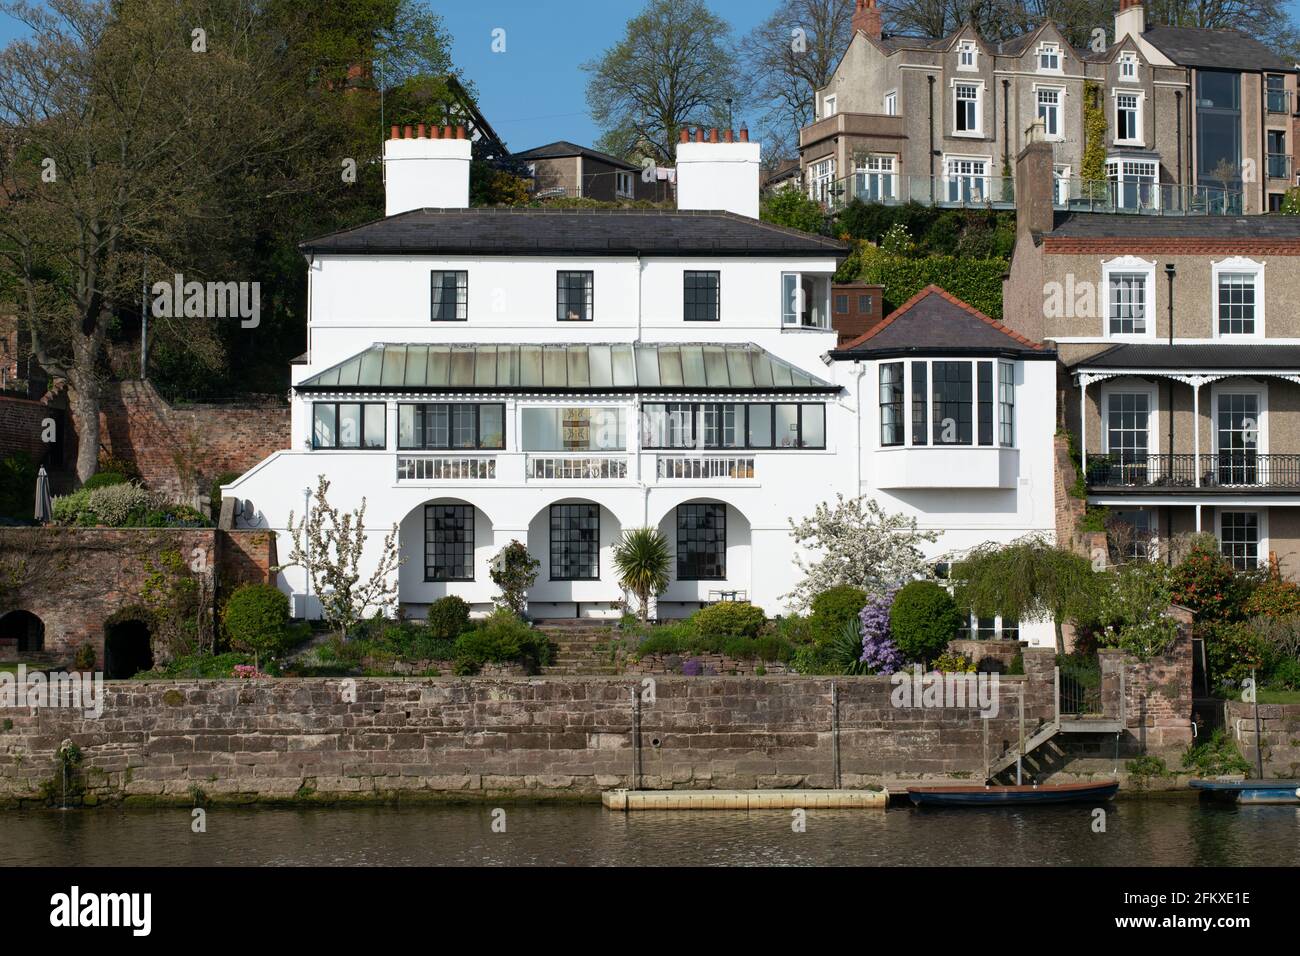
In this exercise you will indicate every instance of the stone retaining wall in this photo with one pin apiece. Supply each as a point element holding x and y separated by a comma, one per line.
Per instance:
<point>711,665</point>
<point>1279,730</point>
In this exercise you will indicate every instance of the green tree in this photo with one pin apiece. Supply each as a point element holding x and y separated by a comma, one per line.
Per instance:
<point>791,208</point>
<point>1026,580</point>
<point>514,570</point>
<point>922,620</point>
<point>673,68</point>
<point>642,560</point>
<point>256,620</point>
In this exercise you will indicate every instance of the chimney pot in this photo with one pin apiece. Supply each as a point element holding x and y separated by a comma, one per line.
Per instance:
<point>713,135</point>
<point>686,136</point>
<point>461,133</point>
<point>728,136</point>
<point>419,131</point>
<point>867,19</point>
<point>394,134</point>
<point>406,132</point>
<point>446,132</point>
<point>744,134</point>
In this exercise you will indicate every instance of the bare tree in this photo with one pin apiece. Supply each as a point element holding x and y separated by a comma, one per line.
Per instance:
<point>125,123</point>
<point>673,68</point>
<point>790,56</point>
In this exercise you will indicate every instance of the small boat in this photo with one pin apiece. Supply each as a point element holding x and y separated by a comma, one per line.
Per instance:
<point>1011,796</point>
<point>1249,791</point>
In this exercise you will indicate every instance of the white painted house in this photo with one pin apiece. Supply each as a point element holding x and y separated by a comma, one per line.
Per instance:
<point>556,376</point>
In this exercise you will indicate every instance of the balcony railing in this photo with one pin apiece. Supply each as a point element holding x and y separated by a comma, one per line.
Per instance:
<point>706,467</point>
<point>445,468</point>
<point>1279,166</point>
<point>998,192</point>
<point>575,467</point>
<point>1279,101</point>
<point>1224,471</point>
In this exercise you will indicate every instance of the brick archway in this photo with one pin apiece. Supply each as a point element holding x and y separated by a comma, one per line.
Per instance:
<point>21,632</point>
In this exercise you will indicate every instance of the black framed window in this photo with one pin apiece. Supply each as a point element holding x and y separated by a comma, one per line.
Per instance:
<point>450,296</point>
<point>667,426</point>
<point>463,425</point>
<point>1006,404</point>
<point>891,404</point>
<point>573,296</point>
<point>984,385</point>
<point>952,403</point>
<point>920,403</point>
<point>701,542</point>
<point>362,425</point>
<point>575,542</point>
<point>703,297</point>
<point>448,543</point>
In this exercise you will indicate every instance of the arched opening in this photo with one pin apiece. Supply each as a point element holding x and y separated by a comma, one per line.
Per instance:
<point>574,539</point>
<point>21,632</point>
<point>128,647</point>
<point>710,541</point>
<point>447,544</point>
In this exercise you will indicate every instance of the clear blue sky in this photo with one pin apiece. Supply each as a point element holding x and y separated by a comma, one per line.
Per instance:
<point>535,92</point>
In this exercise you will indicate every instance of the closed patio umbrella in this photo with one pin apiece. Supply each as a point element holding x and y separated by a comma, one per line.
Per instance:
<point>44,506</point>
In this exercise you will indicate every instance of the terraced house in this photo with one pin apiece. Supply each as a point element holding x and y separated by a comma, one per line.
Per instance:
<point>1197,121</point>
<point>1179,350</point>
<point>555,377</point>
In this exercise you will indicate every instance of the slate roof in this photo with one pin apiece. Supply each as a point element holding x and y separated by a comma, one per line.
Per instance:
<point>573,232</point>
<point>1211,356</point>
<point>564,149</point>
<point>575,367</point>
<point>1119,225</point>
<point>933,322</point>
<point>1221,49</point>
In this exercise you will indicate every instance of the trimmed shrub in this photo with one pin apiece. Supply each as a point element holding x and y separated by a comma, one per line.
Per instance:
<point>104,479</point>
<point>503,637</point>
<point>256,619</point>
<point>729,619</point>
<point>923,619</point>
<point>448,618</point>
<point>834,608</point>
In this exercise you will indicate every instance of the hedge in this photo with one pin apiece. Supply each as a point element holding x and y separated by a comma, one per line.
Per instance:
<point>978,282</point>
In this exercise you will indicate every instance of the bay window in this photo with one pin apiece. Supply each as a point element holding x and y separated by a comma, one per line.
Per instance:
<point>953,402</point>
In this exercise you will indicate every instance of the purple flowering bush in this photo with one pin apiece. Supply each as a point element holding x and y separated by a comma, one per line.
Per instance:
<point>692,667</point>
<point>879,652</point>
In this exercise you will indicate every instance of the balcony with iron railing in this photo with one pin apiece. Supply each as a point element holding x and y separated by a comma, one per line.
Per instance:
<point>998,192</point>
<point>1220,472</point>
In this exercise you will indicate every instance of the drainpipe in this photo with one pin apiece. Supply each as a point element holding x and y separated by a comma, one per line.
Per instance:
<point>1169,274</point>
<point>1006,133</point>
<point>1178,143</point>
<point>930,78</point>
<point>861,372</point>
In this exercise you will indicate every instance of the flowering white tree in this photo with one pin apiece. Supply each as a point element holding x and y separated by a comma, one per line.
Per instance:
<point>328,544</point>
<point>858,545</point>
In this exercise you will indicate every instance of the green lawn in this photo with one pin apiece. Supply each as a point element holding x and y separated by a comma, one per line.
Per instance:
<point>1269,695</point>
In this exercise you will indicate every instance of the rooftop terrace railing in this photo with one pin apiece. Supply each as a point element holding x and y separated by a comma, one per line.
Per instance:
<point>1222,471</point>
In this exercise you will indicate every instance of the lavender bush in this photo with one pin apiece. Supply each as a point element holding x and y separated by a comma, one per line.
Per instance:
<point>692,667</point>
<point>879,652</point>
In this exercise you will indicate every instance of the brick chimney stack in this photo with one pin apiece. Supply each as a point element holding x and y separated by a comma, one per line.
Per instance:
<point>1131,20</point>
<point>867,19</point>
<point>1035,188</point>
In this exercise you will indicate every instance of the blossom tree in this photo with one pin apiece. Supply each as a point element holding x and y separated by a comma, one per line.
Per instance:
<point>861,545</point>
<point>328,544</point>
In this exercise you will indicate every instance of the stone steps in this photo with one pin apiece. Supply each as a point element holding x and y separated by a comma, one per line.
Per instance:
<point>581,647</point>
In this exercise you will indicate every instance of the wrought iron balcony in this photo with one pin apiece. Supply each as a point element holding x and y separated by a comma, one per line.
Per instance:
<point>1227,471</point>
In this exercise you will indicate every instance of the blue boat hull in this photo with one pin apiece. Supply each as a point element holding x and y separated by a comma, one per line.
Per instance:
<point>1285,792</point>
<point>1010,796</point>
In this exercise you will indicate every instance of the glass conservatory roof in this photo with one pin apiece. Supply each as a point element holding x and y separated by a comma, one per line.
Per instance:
<point>620,367</point>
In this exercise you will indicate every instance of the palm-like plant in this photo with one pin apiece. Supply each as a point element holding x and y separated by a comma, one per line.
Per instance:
<point>642,560</point>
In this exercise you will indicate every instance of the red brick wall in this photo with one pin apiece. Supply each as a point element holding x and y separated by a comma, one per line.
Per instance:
<point>1157,692</point>
<point>20,426</point>
<point>180,449</point>
<point>854,322</point>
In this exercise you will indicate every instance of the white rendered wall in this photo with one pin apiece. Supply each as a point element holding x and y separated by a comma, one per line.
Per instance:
<point>712,176</point>
<point>426,174</point>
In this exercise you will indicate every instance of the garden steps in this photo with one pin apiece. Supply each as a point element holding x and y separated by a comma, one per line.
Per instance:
<point>582,648</point>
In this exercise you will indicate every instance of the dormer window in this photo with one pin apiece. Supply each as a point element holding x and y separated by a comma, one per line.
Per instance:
<point>966,55</point>
<point>1128,67</point>
<point>828,106</point>
<point>1049,58</point>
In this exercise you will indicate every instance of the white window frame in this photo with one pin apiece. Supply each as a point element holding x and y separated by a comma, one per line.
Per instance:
<point>1237,265</point>
<point>1049,47</point>
<point>1118,174</point>
<point>986,177</point>
<point>978,131</point>
<point>818,183</point>
<point>1129,265</point>
<point>1128,67</point>
<point>1240,386</point>
<point>890,104</point>
<point>795,305</point>
<point>627,191</point>
<point>1130,386</point>
<point>863,167</point>
<point>829,105</point>
<point>965,47</point>
<point>1139,123</point>
<point>909,418</point>
<point>1059,135</point>
<point>1262,547</point>
<point>999,627</point>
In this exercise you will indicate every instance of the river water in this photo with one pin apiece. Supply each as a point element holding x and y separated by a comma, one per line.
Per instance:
<point>1154,832</point>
